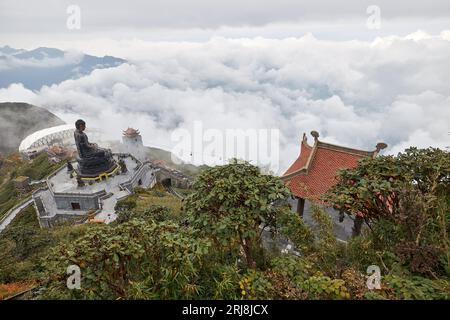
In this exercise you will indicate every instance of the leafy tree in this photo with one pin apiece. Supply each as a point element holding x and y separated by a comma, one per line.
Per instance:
<point>231,202</point>
<point>152,252</point>
<point>404,200</point>
<point>374,189</point>
<point>294,228</point>
<point>137,259</point>
<point>319,286</point>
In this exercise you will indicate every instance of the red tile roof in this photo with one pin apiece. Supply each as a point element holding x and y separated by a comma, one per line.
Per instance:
<point>131,132</point>
<point>314,171</point>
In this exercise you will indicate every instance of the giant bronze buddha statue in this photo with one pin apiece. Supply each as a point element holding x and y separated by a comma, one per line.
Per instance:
<point>92,160</point>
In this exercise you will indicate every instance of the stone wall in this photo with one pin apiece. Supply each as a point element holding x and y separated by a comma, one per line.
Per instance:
<point>342,230</point>
<point>85,202</point>
<point>177,179</point>
<point>58,219</point>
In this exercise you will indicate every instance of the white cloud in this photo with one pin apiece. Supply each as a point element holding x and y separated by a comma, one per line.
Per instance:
<point>420,139</point>
<point>354,93</point>
<point>18,93</point>
<point>11,62</point>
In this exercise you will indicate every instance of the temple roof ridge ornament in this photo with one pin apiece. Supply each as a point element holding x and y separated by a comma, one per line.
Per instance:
<point>131,132</point>
<point>380,146</point>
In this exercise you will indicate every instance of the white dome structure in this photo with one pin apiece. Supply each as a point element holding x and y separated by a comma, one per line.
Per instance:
<point>41,139</point>
<point>60,135</point>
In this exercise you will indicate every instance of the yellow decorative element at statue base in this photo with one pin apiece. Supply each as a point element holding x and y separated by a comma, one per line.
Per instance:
<point>101,176</point>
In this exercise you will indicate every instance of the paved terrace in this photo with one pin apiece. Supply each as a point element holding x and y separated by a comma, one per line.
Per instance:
<point>60,182</point>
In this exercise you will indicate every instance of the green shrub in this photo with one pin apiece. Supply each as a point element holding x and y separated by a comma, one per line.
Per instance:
<point>291,226</point>
<point>126,204</point>
<point>418,288</point>
<point>21,245</point>
<point>159,193</point>
<point>254,285</point>
<point>133,260</point>
<point>224,284</point>
<point>295,268</point>
<point>323,287</point>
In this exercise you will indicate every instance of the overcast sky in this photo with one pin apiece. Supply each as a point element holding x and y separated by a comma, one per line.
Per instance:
<point>29,23</point>
<point>291,65</point>
<point>49,15</point>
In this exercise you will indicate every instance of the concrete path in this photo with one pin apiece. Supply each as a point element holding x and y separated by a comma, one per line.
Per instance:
<point>6,220</point>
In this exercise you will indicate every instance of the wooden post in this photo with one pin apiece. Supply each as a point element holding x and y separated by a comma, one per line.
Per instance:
<point>300,206</point>
<point>357,226</point>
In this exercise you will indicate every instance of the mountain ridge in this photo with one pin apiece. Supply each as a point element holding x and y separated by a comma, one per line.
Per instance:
<point>19,119</point>
<point>47,66</point>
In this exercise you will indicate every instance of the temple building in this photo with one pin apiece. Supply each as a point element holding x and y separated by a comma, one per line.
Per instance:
<point>132,136</point>
<point>91,185</point>
<point>64,199</point>
<point>314,173</point>
<point>132,143</point>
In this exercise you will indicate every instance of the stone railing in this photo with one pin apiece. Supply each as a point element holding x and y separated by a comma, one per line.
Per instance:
<point>144,168</point>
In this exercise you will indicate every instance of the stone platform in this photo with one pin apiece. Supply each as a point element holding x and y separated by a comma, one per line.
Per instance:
<point>64,201</point>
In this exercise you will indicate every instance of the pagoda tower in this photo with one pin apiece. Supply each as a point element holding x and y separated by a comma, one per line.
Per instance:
<point>132,141</point>
<point>132,137</point>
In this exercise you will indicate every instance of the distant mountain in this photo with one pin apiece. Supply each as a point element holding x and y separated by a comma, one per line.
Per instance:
<point>38,54</point>
<point>161,156</point>
<point>18,120</point>
<point>8,50</point>
<point>47,66</point>
<point>165,157</point>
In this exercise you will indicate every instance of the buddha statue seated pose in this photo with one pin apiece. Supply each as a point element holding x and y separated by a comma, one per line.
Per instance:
<point>91,159</point>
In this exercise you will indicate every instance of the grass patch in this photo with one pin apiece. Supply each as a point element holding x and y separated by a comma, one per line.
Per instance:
<point>158,196</point>
<point>13,167</point>
<point>39,167</point>
<point>183,192</point>
<point>27,218</point>
<point>8,198</point>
